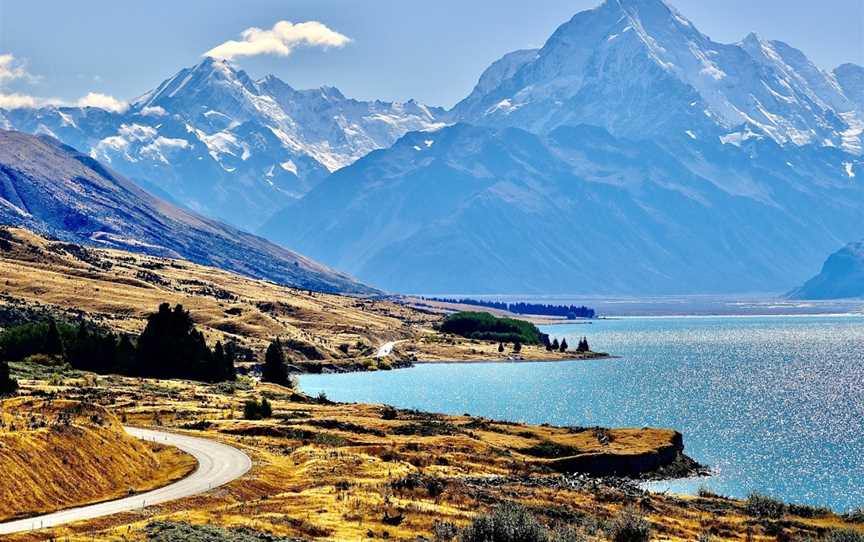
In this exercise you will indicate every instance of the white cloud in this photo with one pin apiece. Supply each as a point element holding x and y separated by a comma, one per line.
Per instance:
<point>12,69</point>
<point>17,101</point>
<point>280,40</point>
<point>102,101</point>
<point>153,111</point>
<point>93,99</point>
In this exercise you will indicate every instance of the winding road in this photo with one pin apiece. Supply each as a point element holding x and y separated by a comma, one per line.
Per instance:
<point>218,464</point>
<point>386,349</point>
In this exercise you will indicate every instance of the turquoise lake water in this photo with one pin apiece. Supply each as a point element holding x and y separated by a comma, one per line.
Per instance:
<point>772,404</point>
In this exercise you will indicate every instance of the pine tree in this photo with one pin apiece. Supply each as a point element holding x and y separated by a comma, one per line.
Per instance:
<point>517,346</point>
<point>274,369</point>
<point>563,347</point>
<point>8,385</point>
<point>500,347</point>
<point>53,342</point>
<point>555,345</point>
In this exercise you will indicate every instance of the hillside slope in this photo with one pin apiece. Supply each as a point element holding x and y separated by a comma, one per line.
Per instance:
<point>61,454</point>
<point>53,189</point>
<point>484,210</point>
<point>841,276</point>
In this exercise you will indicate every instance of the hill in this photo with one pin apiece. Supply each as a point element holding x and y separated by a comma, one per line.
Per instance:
<point>842,276</point>
<point>117,290</point>
<point>61,454</point>
<point>53,189</point>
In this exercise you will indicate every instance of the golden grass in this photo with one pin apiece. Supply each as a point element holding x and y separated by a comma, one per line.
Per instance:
<point>120,289</point>
<point>337,471</point>
<point>59,454</point>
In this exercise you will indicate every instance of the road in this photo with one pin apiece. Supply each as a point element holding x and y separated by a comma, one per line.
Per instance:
<point>386,349</point>
<point>218,464</point>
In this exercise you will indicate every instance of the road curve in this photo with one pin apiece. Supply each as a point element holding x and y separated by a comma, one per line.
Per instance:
<point>218,464</point>
<point>386,349</point>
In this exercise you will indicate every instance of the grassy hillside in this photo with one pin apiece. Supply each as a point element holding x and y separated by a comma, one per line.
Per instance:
<point>117,290</point>
<point>59,454</point>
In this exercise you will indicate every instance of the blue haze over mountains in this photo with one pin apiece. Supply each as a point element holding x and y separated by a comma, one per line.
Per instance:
<point>630,154</point>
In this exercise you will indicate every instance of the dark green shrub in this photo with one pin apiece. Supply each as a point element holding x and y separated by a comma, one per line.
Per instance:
<point>629,526</point>
<point>254,410</point>
<point>763,507</point>
<point>485,327</point>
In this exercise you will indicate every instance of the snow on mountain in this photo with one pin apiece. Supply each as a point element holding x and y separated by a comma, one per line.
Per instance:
<point>639,68</point>
<point>214,140</point>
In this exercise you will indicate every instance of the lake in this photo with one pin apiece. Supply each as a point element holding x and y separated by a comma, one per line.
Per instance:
<point>773,404</point>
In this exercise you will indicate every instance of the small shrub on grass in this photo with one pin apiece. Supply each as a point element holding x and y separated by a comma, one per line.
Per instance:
<point>763,507</point>
<point>629,526</point>
<point>254,410</point>
<point>844,535</point>
<point>807,511</point>
<point>513,523</point>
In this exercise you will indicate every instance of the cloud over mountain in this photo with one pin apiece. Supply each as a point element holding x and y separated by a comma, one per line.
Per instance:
<point>280,40</point>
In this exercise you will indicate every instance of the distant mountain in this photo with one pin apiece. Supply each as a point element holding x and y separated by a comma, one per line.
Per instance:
<point>842,276</point>
<point>53,189</point>
<point>486,210</point>
<point>661,162</point>
<point>212,139</point>
<point>640,69</point>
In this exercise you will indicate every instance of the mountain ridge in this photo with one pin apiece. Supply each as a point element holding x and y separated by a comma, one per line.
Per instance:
<point>53,189</point>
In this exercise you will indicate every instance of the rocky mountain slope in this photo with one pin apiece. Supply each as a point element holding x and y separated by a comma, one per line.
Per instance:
<point>474,209</point>
<point>212,139</point>
<point>710,168</point>
<point>640,69</point>
<point>53,189</point>
<point>842,276</point>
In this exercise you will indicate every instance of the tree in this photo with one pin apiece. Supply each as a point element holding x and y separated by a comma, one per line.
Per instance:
<point>564,346</point>
<point>583,345</point>
<point>253,410</point>
<point>555,345</point>
<point>8,385</point>
<point>274,369</point>
<point>500,347</point>
<point>517,347</point>
<point>171,347</point>
<point>53,342</point>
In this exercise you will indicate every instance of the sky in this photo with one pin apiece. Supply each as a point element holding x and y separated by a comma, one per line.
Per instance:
<point>99,50</point>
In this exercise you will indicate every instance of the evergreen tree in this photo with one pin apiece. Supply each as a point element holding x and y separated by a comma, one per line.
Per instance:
<point>500,347</point>
<point>563,347</point>
<point>555,345</point>
<point>8,385</point>
<point>171,347</point>
<point>274,369</point>
<point>53,342</point>
<point>517,347</point>
<point>125,357</point>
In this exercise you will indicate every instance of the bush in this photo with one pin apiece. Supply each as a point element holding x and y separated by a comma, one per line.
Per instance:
<point>253,410</point>
<point>485,327</point>
<point>844,535</point>
<point>763,507</point>
<point>8,385</point>
<point>629,526</point>
<point>513,523</point>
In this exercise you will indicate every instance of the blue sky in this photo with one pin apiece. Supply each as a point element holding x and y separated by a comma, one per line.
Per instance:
<point>431,51</point>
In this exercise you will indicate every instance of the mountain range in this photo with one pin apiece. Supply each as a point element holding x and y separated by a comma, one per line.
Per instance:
<point>213,140</point>
<point>630,154</point>
<point>52,189</point>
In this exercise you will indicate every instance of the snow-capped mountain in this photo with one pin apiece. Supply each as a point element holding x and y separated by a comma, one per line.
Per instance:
<point>640,69</point>
<point>53,189</point>
<point>630,154</point>
<point>214,140</point>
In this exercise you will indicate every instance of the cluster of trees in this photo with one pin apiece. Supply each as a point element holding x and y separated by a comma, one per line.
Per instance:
<point>275,369</point>
<point>486,327</point>
<point>563,346</point>
<point>169,347</point>
<point>8,385</point>
<point>570,312</point>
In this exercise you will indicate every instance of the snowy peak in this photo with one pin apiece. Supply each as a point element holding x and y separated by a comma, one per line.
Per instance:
<point>850,77</point>
<point>618,64</point>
